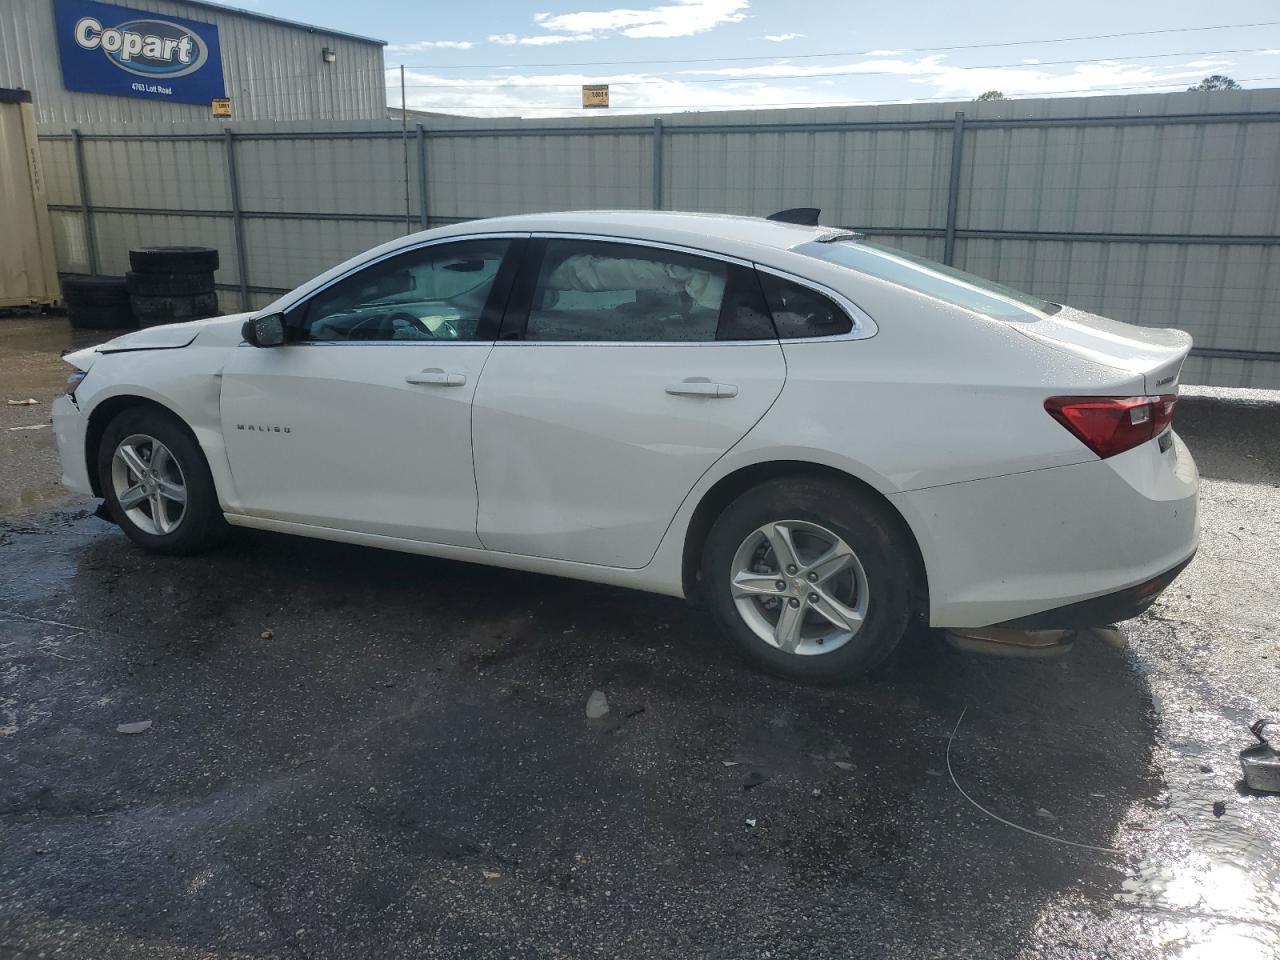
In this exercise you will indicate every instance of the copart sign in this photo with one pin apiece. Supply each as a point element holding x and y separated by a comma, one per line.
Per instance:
<point>136,53</point>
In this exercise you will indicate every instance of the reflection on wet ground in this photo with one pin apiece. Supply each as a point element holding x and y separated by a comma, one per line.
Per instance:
<point>31,368</point>
<point>404,769</point>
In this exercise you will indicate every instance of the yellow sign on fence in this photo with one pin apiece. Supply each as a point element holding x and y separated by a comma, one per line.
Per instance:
<point>595,96</point>
<point>222,108</point>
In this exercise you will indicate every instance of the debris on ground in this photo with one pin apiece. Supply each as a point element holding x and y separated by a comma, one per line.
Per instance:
<point>597,705</point>
<point>1219,807</point>
<point>491,874</point>
<point>33,426</point>
<point>1044,814</point>
<point>751,823</point>
<point>266,634</point>
<point>730,763</point>
<point>138,726</point>
<point>843,764</point>
<point>754,779</point>
<point>29,402</point>
<point>1261,763</point>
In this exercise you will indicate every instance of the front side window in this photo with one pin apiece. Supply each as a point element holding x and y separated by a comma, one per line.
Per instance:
<point>600,291</point>
<point>437,292</point>
<point>933,279</point>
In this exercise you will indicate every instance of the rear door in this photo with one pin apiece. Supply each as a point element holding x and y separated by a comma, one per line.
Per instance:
<point>362,421</point>
<point>623,372</point>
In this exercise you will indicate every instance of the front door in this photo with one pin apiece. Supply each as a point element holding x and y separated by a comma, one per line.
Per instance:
<point>362,421</point>
<point>636,368</point>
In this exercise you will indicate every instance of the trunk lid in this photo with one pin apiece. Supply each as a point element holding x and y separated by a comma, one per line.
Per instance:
<point>1155,354</point>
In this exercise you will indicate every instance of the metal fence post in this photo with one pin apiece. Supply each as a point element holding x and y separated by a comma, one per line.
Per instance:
<point>237,221</point>
<point>422,176</point>
<point>657,163</point>
<point>86,209</point>
<point>953,188</point>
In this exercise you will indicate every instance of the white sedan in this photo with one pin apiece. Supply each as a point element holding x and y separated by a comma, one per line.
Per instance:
<point>819,438</point>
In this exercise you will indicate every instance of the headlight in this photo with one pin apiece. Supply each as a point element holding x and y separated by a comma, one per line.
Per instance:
<point>73,382</point>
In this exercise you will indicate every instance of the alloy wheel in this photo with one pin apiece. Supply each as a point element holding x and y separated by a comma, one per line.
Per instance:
<point>799,587</point>
<point>149,484</point>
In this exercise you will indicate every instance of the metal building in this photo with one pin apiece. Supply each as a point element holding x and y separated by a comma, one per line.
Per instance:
<point>170,60</point>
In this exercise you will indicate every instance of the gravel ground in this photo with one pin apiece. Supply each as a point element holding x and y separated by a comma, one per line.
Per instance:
<point>360,754</point>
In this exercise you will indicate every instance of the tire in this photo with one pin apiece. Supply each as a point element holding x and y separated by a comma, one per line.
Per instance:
<point>877,582</point>
<point>153,310</point>
<point>173,260</point>
<point>196,524</point>
<point>94,291</point>
<point>114,317</point>
<point>168,284</point>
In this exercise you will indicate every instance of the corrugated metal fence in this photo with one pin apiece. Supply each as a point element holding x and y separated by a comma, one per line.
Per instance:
<point>1161,210</point>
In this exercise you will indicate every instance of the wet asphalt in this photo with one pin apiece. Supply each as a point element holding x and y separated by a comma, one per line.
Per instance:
<point>365,754</point>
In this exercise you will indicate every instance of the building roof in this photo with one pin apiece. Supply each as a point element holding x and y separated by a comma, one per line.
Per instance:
<point>266,17</point>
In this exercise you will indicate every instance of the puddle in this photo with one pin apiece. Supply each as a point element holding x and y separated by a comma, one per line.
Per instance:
<point>31,367</point>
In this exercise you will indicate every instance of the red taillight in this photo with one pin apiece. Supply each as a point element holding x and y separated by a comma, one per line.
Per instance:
<point>1111,425</point>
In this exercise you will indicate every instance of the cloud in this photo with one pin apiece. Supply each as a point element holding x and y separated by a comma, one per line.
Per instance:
<point>418,45</point>
<point>1087,78</point>
<point>541,40</point>
<point>924,65</point>
<point>756,87</point>
<point>682,18</point>
<point>782,37</point>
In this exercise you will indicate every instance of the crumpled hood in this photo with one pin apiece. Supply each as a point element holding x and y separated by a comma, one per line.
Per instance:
<point>217,331</point>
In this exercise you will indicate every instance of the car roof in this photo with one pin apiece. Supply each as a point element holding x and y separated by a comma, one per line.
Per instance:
<point>745,236</point>
<point>748,238</point>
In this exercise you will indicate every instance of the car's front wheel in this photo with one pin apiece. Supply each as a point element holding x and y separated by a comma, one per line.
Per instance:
<point>157,484</point>
<point>810,577</point>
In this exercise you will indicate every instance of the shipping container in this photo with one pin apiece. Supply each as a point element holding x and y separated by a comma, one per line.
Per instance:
<point>28,271</point>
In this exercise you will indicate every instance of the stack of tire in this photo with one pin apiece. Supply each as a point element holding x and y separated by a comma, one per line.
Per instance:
<point>172,284</point>
<point>97,303</point>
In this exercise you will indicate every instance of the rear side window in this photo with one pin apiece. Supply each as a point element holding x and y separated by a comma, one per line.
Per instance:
<point>597,291</point>
<point>799,311</point>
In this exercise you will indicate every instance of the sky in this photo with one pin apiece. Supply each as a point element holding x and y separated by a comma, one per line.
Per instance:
<point>514,58</point>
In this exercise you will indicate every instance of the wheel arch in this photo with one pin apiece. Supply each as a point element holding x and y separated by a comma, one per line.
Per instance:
<point>729,487</point>
<point>106,411</point>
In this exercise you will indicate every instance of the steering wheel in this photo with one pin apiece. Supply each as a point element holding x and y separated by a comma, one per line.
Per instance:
<point>445,330</point>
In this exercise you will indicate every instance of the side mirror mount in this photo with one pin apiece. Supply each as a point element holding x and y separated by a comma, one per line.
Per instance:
<point>267,331</point>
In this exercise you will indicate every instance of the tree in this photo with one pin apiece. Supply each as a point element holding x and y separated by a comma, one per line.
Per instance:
<point>1215,82</point>
<point>990,95</point>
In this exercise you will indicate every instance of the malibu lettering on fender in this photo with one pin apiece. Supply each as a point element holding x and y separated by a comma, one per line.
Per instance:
<point>258,428</point>
<point>105,49</point>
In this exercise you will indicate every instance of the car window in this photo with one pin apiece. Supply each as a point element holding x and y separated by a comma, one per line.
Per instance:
<point>431,293</point>
<point>934,279</point>
<point>601,291</point>
<point>800,311</point>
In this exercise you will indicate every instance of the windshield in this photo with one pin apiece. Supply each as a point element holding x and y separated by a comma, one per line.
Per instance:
<point>933,279</point>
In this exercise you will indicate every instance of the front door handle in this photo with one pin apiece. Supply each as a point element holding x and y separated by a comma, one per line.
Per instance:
<point>702,387</point>
<point>437,377</point>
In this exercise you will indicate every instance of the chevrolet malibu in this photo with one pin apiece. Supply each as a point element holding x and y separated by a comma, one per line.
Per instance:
<point>820,439</point>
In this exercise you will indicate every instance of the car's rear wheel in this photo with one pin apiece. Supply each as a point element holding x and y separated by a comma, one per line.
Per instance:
<point>810,577</point>
<point>157,484</point>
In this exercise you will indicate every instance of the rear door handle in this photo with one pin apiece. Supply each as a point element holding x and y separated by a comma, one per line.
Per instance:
<point>437,377</point>
<point>702,387</point>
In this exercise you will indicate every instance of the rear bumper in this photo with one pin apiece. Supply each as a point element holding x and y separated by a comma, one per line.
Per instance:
<point>1109,608</point>
<point>1009,549</point>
